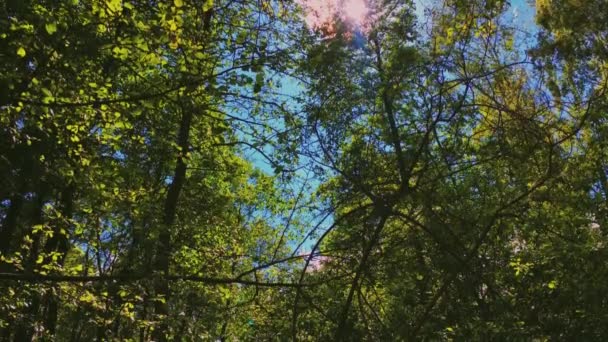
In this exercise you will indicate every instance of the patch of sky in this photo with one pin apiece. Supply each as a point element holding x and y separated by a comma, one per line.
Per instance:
<point>286,90</point>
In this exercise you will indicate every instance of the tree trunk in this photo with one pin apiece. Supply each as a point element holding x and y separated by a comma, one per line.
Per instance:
<point>59,242</point>
<point>10,223</point>
<point>164,238</point>
<point>25,329</point>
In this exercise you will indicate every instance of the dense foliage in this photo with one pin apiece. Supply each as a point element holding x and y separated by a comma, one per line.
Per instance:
<point>258,170</point>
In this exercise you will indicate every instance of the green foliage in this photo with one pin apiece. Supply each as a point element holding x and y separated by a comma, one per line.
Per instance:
<point>94,140</point>
<point>460,185</point>
<point>214,170</point>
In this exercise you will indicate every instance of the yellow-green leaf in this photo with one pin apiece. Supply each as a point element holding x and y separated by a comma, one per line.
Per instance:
<point>21,52</point>
<point>178,3</point>
<point>207,5</point>
<point>114,6</point>
<point>50,28</point>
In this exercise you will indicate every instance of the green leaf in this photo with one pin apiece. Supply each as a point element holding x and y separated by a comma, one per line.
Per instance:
<point>21,52</point>
<point>46,92</point>
<point>115,6</point>
<point>178,3</point>
<point>50,28</point>
<point>207,5</point>
<point>259,82</point>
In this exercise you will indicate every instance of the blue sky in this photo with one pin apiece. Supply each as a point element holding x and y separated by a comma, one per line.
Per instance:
<point>521,14</point>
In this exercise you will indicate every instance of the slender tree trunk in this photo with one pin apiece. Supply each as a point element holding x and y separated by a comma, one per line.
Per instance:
<point>392,124</point>
<point>380,215</point>
<point>224,330</point>
<point>6,235</point>
<point>60,243</point>
<point>164,239</point>
<point>144,316</point>
<point>29,174</point>
<point>10,223</point>
<point>25,329</point>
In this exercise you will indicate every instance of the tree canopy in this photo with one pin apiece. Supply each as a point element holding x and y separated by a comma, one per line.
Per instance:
<point>274,170</point>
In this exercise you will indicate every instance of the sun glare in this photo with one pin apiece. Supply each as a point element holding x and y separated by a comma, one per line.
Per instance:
<point>320,13</point>
<point>355,10</point>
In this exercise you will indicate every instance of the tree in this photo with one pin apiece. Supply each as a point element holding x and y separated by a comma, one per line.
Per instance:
<point>123,127</point>
<point>450,154</point>
<point>270,170</point>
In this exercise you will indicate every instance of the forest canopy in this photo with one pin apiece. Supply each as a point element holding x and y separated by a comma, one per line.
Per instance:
<point>275,170</point>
